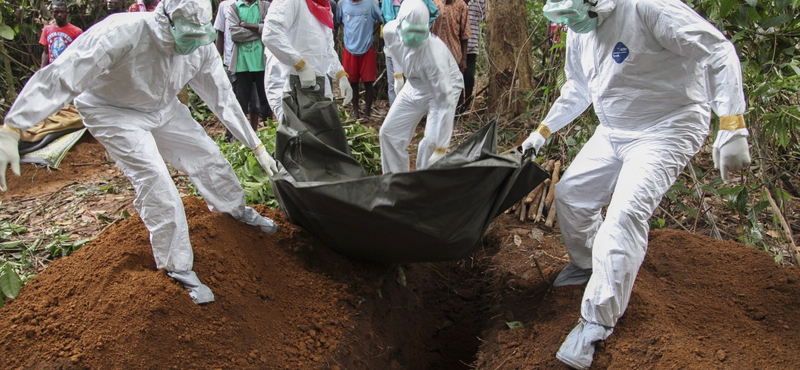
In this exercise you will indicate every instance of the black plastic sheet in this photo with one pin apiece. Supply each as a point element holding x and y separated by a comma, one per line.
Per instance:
<point>436,214</point>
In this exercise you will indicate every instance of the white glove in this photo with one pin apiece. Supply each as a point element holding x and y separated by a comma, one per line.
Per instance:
<point>436,156</point>
<point>535,141</point>
<point>308,78</point>
<point>399,82</point>
<point>731,156</point>
<point>345,90</point>
<point>269,164</point>
<point>9,153</point>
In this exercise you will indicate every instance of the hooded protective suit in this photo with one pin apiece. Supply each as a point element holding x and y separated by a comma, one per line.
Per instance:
<point>295,38</point>
<point>124,75</point>
<point>654,70</point>
<point>434,85</point>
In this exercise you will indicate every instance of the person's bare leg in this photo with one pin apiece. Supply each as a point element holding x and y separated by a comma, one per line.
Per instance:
<point>369,95</point>
<point>356,99</point>
<point>254,120</point>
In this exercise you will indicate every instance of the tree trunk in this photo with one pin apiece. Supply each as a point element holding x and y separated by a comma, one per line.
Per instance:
<point>510,59</point>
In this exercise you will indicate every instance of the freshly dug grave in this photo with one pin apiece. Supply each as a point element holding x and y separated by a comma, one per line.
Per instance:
<point>282,302</point>
<point>698,303</point>
<point>286,302</point>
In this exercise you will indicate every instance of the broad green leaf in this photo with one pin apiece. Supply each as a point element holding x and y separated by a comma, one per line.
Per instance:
<point>6,32</point>
<point>9,282</point>
<point>726,6</point>
<point>782,4</point>
<point>752,3</point>
<point>777,21</point>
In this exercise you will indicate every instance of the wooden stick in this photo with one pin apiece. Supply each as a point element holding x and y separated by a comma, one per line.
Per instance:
<point>551,216</point>
<point>786,229</point>
<point>551,194</point>
<point>532,195</point>
<point>534,204</point>
<point>541,203</point>
<point>549,165</point>
<point>523,214</point>
<point>518,209</point>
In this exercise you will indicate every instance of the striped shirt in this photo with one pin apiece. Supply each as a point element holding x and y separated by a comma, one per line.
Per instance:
<point>477,15</point>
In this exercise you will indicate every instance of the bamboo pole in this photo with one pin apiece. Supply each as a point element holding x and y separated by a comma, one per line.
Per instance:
<point>540,210</point>
<point>551,194</point>
<point>534,204</point>
<point>551,216</point>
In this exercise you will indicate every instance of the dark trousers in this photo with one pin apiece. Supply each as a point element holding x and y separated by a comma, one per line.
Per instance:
<point>469,83</point>
<point>246,82</point>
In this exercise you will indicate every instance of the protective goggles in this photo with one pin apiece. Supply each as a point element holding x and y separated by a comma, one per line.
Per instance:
<point>190,36</point>
<point>566,11</point>
<point>413,34</point>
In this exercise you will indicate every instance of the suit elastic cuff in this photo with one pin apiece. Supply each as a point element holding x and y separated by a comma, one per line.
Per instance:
<point>341,74</point>
<point>300,65</point>
<point>732,123</point>
<point>544,131</point>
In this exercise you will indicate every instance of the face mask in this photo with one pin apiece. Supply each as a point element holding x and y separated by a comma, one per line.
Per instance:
<point>573,13</point>
<point>190,36</point>
<point>413,34</point>
<point>584,25</point>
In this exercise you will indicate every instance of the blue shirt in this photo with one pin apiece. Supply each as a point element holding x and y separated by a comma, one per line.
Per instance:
<point>358,20</point>
<point>390,11</point>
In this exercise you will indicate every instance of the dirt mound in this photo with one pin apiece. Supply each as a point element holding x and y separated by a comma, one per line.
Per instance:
<point>106,306</point>
<point>698,303</point>
<point>286,302</point>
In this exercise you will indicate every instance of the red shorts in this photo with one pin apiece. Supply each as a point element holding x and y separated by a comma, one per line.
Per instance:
<point>360,67</point>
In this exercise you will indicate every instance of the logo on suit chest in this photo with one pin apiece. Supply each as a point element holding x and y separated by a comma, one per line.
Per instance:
<point>620,52</point>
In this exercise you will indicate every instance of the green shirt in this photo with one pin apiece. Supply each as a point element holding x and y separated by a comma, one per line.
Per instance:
<point>250,56</point>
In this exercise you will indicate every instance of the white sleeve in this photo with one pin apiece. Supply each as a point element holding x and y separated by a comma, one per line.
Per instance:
<point>282,14</point>
<point>212,85</point>
<point>390,39</point>
<point>334,65</point>
<point>682,31</point>
<point>74,71</point>
<point>575,96</point>
<point>219,21</point>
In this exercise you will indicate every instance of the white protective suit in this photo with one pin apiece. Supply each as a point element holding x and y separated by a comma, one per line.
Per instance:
<point>434,83</point>
<point>292,34</point>
<point>275,77</point>
<point>124,76</point>
<point>653,70</point>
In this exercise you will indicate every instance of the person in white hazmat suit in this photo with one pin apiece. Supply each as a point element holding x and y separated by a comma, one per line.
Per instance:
<point>298,35</point>
<point>124,74</point>
<point>434,85</point>
<point>654,71</point>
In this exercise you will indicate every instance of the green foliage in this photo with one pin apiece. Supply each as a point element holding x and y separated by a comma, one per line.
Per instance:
<point>364,146</point>
<point>199,109</point>
<point>10,283</point>
<point>363,142</point>
<point>253,178</point>
<point>62,244</point>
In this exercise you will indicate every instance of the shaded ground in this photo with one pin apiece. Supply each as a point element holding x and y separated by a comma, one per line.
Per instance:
<point>286,302</point>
